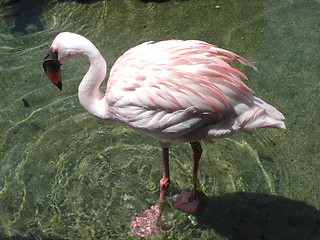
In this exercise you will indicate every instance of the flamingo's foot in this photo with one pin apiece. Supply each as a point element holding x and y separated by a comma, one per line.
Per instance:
<point>186,201</point>
<point>146,223</point>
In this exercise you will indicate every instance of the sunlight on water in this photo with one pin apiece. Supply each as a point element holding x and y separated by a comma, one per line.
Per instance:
<point>67,175</point>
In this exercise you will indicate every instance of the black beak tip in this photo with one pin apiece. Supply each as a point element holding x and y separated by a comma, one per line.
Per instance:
<point>59,85</point>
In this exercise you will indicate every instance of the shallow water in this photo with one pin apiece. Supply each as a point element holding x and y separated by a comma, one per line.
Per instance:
<point>67,175</point>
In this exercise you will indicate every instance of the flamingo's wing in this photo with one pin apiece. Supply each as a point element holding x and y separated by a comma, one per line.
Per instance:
<point>176,85</point>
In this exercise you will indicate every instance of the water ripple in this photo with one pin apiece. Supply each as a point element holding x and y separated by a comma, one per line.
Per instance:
<point>65,174</point>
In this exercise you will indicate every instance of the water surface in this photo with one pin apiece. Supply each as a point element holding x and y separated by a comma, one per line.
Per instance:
<point>67,175</point>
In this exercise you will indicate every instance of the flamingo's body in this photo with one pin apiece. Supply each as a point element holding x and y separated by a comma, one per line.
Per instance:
<point>174,91</point>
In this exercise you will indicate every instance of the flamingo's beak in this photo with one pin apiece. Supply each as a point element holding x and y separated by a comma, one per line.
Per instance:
<point>51,67</point>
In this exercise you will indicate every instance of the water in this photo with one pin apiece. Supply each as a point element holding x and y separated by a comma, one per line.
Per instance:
<point>67,175</point>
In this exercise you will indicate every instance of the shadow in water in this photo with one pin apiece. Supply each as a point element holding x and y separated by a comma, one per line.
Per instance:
<point>29,238</point>
<point>25,15</point>
<point>159,1</point>
<point>80,1</point>
<point>260,216</point>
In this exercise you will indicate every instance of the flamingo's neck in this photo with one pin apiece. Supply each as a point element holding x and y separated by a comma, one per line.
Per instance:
<point>90,96</point>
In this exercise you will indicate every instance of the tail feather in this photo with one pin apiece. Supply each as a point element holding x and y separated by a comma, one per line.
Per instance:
<point>263,115</point>
<point>271,111</point>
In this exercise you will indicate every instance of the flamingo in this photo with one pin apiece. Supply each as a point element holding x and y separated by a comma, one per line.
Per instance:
<point>174,91</point>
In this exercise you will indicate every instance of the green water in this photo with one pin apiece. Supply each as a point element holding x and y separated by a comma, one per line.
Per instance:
<point>67,175</point>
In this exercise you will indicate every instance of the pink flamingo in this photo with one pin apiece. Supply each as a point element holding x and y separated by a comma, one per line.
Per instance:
<point>175,91</point>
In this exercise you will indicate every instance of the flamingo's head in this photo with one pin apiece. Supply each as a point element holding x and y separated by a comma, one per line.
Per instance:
<point>51,67</point>
<point>64,47</point>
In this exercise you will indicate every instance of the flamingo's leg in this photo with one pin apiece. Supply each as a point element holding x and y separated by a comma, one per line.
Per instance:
<point>165,181</point>
<point>196,155</point>
<point>149,221</point>
<point>188,201</point>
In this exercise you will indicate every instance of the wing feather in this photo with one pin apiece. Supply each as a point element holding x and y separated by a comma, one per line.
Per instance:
<point>176,83</point>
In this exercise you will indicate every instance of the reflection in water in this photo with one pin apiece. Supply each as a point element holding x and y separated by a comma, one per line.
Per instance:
<point>66,175</point>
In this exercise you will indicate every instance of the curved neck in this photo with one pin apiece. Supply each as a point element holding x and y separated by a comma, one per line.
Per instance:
<point>90,96</point>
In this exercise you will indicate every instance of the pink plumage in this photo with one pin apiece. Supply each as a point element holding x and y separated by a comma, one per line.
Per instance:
<point>180,91</point>
<point>174,91</point>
